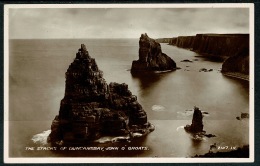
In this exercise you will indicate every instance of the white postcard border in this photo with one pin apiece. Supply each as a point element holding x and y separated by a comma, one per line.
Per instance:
<point>8,159</point>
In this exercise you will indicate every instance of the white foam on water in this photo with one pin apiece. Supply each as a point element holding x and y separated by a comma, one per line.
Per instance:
<point>165,71</point>
<point>158,108</point>
<point>103,140</point>
<point>137,135</point>
<point>41,138</point>
<point>121,138</point>
<point>107,139</point>
<point>180,127</point>
<point>199,137</point>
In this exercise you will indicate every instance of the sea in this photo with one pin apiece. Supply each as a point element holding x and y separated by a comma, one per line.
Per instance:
<point>37,84</point>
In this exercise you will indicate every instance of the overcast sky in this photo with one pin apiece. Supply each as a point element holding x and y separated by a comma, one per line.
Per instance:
<point>124,23</point>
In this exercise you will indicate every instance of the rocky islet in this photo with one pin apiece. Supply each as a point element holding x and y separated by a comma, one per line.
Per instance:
<point>91,108</point>
<point>151,57</point>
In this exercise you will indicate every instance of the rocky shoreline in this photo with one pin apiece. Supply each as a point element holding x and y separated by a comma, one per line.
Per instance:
<point>237,75</point>
<point>231,49</point>
<point>241,152</point>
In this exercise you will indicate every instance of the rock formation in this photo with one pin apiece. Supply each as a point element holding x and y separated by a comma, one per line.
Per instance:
<point>214,45</point>
<point>240,152</point>
<point>151,57</point>
<point>92,108</point>
<point>197,124</point>
<point>237,63</point>
<point>233,49</point>
<point>185,41</point>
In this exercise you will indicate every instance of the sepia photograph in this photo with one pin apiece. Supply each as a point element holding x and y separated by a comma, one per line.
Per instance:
<point>121,83</point>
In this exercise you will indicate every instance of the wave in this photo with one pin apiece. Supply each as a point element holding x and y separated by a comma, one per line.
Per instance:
<point>198,137</point>
<point>180,127</point>
<point>158,108</point>
<point>41,138</point>
<point>165,71</point>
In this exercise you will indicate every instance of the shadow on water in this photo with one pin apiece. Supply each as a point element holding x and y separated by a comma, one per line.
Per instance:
<point>147,80</point>
<point>211,58</point>
<point>243,84</point>
<point>196,143</point>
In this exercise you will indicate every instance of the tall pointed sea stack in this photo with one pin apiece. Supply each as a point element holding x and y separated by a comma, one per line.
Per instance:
<point>91,108</point>
<point>151,57</point>
<point>197,124</point>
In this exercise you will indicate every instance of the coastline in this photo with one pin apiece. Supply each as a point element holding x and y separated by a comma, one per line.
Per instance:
<point>241,152</point>
<point>237,75</point>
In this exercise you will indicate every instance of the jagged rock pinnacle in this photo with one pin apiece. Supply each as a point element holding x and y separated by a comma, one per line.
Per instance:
<point>91,107</point>
<point>151,57</point>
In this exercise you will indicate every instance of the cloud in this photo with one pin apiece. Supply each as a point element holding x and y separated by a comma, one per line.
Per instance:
<point>124,23</point>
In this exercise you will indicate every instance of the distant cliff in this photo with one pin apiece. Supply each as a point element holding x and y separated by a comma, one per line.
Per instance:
<point>163,40</point>
<point>184,41</point>
<point>233,49</point>
<point>221,45</point>
<point>151,57</point>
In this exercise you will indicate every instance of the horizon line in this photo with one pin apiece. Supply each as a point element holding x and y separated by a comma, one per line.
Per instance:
<point>131,37</point>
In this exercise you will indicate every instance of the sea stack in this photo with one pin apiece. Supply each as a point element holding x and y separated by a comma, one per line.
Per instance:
<point>197,124</point>
<point>91,108</point>
<point>151,57</point>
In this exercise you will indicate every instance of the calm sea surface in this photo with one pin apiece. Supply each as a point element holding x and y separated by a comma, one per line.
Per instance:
<point>37,84</point>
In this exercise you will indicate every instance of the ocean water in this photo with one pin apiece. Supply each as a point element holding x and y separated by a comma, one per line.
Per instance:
<point>37,84</point>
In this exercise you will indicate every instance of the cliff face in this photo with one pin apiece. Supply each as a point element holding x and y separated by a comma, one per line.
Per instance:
<point>238,63</point>
<point>185,41</point>
<point>233,49</point>
<point>151,56</point>
<point>221,45</point>
<point>91,107</point>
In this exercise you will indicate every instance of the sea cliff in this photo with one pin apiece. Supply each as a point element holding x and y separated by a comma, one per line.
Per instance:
<point>232,49</point>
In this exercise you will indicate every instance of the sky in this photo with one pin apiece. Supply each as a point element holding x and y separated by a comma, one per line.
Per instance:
<point>45,23</point>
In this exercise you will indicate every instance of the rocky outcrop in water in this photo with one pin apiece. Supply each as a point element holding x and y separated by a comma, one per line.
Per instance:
<point>92,108</point>
<point>151,57</point>
<point>197,124</point>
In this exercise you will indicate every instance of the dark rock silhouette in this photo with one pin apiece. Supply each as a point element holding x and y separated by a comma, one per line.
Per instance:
<point>237,63</point>
<point>92,108</point>
<point>232,49</point>
<point>240,152</point>
<point>151,57</point>
<point>197,124</point>
<point>186,60</point>
<point>243,116</point>
<point>214,45</point>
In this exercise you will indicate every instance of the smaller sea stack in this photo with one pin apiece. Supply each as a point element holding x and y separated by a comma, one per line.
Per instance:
<point>151,57</point>
<point>197,124</point>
